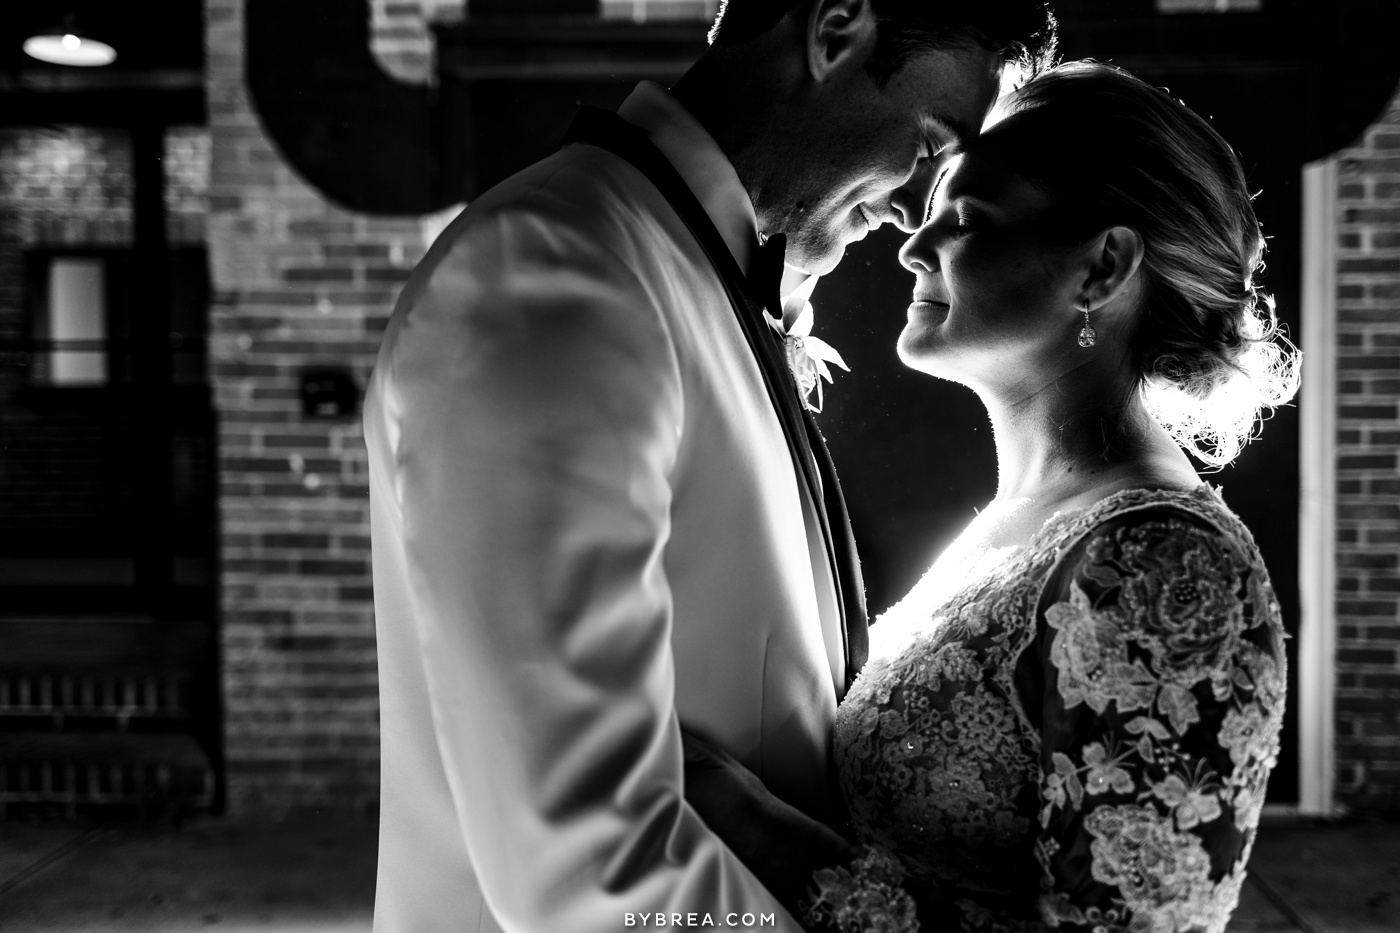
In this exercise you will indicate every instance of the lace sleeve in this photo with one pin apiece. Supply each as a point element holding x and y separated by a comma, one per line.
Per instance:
<point>1161,648</point>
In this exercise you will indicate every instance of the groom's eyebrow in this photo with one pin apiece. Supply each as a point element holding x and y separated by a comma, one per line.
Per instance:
<point>950,128</point>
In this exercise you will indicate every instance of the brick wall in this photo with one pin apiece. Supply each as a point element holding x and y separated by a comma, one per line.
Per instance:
<point>1368,469</point>
<point>400,38</point>
<point>298,282</point>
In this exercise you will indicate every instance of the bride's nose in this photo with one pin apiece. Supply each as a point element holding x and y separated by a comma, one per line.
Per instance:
<point>918,253</point>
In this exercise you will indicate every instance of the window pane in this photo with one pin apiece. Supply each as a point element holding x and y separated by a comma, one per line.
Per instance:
<point>77,321</point>
<point>1209,6</point>
<point>642,11</point>
<point>186,184</point>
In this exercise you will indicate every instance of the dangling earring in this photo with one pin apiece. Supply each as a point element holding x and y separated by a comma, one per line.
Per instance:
<point>1087,337</point>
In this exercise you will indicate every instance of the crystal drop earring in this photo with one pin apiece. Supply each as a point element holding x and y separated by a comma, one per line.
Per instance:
<point>1087,337</point>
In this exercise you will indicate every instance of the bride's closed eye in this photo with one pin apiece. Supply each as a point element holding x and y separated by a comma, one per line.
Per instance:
<point>959,224</point>
<point>933,196</point>
<point>966,219</point>
<point>953,219</point>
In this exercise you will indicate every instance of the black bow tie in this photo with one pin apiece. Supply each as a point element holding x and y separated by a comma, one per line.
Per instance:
<point>766,276</point>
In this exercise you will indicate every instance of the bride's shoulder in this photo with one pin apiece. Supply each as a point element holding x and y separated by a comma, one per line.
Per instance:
<point>1173,514</point>
<point>1184,554</point>
<point>1154,595</point>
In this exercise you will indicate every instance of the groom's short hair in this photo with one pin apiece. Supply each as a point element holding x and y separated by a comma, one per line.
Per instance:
<point>1023,31</point>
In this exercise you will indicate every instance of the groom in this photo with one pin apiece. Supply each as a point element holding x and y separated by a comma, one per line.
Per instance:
<point>599,510</point>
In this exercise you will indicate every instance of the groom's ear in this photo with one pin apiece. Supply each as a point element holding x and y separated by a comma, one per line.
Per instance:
<point>840,34</point>
<point>1114,257</point>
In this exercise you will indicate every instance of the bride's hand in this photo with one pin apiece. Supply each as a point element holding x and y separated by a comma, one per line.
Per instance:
<point>780,844</point>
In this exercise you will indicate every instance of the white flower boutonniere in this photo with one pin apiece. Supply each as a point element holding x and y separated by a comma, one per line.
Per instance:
<point>807,356</point>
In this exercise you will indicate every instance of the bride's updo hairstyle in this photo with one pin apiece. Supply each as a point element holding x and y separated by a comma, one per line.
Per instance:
<point>1109,150</point>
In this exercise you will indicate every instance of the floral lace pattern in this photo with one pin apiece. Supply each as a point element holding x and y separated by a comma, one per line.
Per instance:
<point>1081,737</point>
<point>868,897</point>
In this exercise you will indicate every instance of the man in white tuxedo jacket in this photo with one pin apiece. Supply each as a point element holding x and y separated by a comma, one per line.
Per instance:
<point>590,528</point>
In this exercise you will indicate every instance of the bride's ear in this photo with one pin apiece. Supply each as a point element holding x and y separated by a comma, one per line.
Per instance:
<point>1114,257</point>
<point>840,33</point>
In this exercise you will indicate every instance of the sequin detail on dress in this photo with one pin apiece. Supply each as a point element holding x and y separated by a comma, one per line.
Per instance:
<point>1080,738</point>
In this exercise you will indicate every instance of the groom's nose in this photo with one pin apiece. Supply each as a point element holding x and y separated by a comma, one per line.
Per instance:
<point>909,202</point>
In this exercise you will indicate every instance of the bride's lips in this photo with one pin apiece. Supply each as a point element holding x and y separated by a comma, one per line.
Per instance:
<point>928,306</point>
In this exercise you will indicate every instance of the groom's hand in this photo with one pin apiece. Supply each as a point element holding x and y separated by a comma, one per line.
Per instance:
<point>780,844</point>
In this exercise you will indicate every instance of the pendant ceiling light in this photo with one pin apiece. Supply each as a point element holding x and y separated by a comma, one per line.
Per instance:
<point>67,46</point>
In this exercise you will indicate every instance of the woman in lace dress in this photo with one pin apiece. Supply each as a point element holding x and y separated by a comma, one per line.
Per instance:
<point>1070,721</point>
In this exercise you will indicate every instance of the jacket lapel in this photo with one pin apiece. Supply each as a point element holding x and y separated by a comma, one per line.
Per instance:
<point>608,131</point>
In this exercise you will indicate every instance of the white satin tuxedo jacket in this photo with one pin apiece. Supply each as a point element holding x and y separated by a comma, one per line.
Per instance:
<point>587,532</point>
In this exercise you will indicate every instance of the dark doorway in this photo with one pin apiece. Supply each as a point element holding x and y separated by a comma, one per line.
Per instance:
<point>108,670</point>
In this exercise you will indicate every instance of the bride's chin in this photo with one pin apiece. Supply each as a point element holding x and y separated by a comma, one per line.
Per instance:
<point>918,349</point>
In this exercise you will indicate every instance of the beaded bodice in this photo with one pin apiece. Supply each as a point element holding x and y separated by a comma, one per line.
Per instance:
<point>1076,732</point>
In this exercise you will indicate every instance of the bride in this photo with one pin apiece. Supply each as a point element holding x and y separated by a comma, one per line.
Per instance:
<point>1070,721</point>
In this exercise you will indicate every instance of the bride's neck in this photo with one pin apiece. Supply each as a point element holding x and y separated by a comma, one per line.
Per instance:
<point>1071,439</point>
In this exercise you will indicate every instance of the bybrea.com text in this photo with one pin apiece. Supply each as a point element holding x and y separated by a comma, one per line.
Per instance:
<point>695,919</point>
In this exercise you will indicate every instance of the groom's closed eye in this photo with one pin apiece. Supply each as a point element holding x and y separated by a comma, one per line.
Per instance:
<point>938,136</point>
<point>949,132</point>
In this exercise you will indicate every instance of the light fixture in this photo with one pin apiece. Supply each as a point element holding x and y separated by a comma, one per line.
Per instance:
<point>67,46</point>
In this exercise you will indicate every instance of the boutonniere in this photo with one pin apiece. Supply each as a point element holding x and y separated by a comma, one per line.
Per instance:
<point>807,356</point>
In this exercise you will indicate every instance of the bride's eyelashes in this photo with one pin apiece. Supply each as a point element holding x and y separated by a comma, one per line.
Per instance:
<point>954,220</point>
<point>933,196</point>
<point>955,227</point>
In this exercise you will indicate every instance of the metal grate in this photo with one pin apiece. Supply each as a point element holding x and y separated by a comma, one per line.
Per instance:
<point>117,698</point>
<point>150,772</point>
